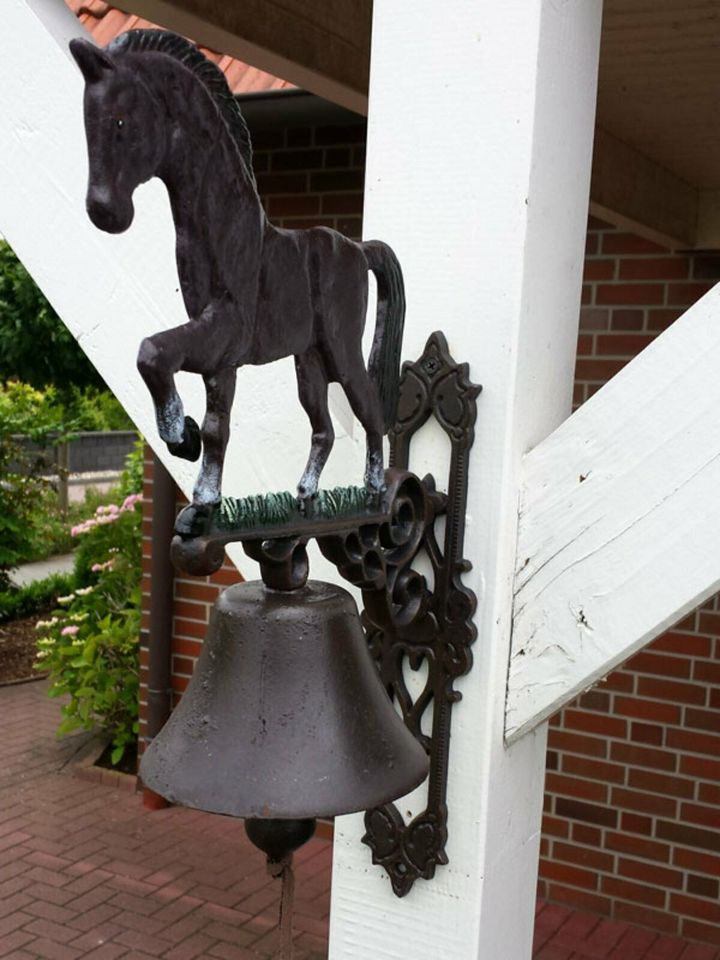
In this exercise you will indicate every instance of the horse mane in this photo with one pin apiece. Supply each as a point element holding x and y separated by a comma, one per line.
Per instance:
<point>186,53</point>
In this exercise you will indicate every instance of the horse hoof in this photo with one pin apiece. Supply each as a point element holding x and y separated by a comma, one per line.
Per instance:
<point>194,520</point>
<point>190,446</point>
<point>373,497</point>
<point>306,503</point>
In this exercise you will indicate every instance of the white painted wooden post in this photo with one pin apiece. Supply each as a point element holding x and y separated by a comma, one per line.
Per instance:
<point>480,133</point>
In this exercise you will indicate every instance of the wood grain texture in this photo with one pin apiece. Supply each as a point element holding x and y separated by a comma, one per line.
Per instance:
<point>619,520</point>
<point>659,75</point>
<point>631,184</point>
<point>324,48</point>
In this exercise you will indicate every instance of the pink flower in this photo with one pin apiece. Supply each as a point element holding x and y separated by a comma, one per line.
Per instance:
<point>130,501</point>
<point>103,511</point>
<point>83,527</point>
<point>69,631</point>
<point>108,518</point>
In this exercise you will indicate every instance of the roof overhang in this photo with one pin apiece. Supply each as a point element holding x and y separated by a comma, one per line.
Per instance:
<point>657,151</point>
<point>292,107</point>
<point>322,47</point>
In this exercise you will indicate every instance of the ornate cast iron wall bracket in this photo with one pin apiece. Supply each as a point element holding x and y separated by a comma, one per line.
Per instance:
<point>421,624</point>
<point>374,546</point>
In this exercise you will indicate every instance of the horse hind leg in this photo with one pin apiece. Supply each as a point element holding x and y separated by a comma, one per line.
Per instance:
<point>312,390</point>
<point>363,398</point>
<point>159,359</point>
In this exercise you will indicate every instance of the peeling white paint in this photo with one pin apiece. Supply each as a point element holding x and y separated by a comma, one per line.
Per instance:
<point>634,546</point>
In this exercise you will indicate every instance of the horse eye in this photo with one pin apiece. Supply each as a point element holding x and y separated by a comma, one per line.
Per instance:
<point>120,123</point>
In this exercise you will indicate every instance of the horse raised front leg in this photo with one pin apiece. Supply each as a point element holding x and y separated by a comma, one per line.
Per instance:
<point>159,359</point>
<point>312,389</point>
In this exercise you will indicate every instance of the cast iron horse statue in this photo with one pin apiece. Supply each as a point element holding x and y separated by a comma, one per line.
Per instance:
<point>156,106</point>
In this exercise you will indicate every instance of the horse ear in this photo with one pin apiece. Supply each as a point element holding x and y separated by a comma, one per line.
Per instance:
<point>93,61</point>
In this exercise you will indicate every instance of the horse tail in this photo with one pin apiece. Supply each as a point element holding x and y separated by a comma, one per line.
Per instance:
<point>384,362</point>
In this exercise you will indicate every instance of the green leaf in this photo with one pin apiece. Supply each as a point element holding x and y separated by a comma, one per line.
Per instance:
<point>68,725</point>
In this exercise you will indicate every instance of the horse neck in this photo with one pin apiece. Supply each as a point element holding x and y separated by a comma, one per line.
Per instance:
<point>201,160</point>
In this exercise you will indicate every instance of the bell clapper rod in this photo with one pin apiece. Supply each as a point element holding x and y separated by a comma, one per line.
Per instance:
<point>278,839</point>
<point>284,870</point>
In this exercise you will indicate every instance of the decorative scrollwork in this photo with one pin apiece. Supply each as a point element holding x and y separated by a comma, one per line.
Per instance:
<point>407,851</point>
<point>407,620</point>
<point>371,555</point>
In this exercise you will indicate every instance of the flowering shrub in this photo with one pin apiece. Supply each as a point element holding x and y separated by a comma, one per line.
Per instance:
<point>90,644</point>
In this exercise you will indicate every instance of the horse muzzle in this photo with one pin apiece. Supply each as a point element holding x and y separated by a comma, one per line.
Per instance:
<point>112,217</point>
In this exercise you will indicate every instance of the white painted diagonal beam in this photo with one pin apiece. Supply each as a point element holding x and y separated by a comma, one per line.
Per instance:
<point>619,528</point>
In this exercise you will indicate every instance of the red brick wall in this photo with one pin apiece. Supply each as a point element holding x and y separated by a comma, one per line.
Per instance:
<point>632,828</point>
<point>632,824</point>
<point>634,289</point>
<point>312,176</point>
<point>193,599</point>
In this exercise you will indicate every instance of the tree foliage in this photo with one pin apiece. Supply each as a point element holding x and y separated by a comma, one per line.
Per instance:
<point>23,491</point>
<point>35,345</point>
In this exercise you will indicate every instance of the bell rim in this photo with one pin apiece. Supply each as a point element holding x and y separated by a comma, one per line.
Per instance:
<point>184,798</point>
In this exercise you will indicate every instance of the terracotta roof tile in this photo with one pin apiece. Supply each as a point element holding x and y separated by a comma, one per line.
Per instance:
<point>104,23</point>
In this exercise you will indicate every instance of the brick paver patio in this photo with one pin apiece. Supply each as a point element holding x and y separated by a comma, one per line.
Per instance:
<point>86,871</point>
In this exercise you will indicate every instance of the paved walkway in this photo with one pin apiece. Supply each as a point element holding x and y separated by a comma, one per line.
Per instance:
<point>28,573</point>
<point>87,872</point>
<point>80,483</point>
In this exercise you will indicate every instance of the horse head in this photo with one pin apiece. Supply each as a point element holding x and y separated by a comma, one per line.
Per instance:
<point>124,138</point>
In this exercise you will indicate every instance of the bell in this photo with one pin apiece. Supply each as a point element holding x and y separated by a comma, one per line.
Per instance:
<point>285,717</point>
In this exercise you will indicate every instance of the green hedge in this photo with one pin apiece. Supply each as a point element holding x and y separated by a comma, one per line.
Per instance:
<point>39,597</point>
